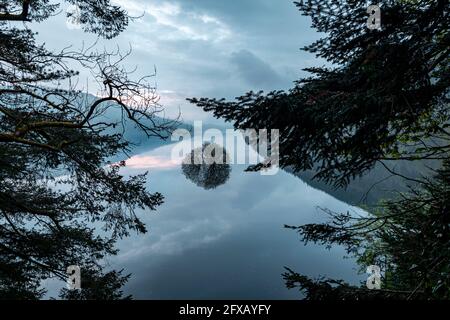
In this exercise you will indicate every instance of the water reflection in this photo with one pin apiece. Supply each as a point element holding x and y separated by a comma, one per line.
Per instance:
<point>227,242</point>
<point>151,162</point>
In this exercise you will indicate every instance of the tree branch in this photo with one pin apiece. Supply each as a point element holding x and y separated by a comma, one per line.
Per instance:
<point>23,16</point>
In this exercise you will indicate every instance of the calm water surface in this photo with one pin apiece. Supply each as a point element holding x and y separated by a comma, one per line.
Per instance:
<point>226,243</point>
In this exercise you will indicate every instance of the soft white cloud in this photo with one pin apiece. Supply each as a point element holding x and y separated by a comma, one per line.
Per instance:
<point>170,21</point>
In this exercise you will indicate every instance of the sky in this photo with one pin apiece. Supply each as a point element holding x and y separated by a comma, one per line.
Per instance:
<point>202,48</point>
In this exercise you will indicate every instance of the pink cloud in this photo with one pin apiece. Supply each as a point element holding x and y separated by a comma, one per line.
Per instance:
<point>150,162</point>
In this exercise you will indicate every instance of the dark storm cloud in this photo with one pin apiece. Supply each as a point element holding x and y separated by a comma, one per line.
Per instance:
<point>255,71</point>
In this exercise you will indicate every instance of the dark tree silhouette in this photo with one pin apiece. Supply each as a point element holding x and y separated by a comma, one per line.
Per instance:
<point>384,97</point>
<point>208,167</point>
<point>55,182</point>
<point>409,239</point>
<point>386,94</point>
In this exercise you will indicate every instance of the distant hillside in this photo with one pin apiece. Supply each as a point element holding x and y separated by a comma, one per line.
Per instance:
<point>140,142</point>
<point>377,184</point>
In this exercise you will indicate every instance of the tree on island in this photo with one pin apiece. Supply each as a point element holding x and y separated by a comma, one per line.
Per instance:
<point>208,166</point>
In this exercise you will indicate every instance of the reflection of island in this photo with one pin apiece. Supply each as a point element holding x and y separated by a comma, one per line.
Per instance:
<point>207,166</point>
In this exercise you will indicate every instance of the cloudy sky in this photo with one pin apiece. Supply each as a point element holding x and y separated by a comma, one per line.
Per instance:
<point>210,48</point>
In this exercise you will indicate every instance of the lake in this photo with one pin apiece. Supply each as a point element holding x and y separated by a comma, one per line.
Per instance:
<point>229,242</point>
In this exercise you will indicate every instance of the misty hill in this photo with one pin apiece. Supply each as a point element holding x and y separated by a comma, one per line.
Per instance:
<point>375,185</point>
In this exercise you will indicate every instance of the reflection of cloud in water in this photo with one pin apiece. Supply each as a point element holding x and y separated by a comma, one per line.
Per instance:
<point>151,162</point>
<point>177,240</point>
